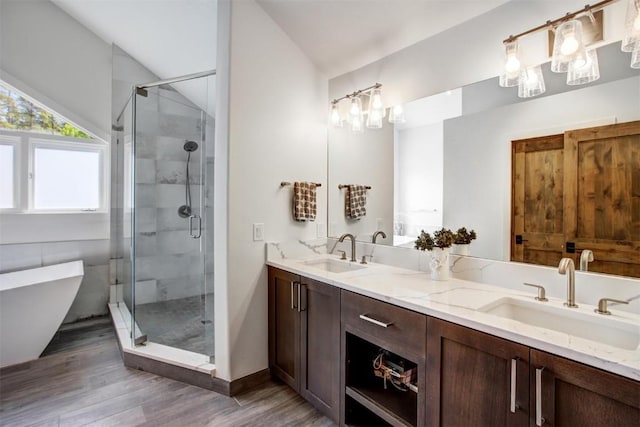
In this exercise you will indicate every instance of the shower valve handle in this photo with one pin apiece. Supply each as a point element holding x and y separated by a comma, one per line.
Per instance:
<point>199,230</point>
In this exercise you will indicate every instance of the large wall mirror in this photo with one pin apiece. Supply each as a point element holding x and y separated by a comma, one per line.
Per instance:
<point>449,164</point>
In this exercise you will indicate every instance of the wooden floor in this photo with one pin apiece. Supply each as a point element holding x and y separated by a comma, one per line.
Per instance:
<point>81,381</point>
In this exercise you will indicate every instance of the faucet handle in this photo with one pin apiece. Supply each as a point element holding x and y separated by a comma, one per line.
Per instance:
<point>541,291</point>
<point>344,254</point>
<point>602,305</point>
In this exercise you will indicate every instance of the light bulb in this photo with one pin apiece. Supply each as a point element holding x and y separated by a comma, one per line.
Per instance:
<point>355,107</point>
<point>570,44</point>
<point>512,65</point>
<point>335,115</point>
<point>376,100</point>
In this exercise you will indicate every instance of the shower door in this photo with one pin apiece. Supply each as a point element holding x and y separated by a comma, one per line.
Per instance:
<point>172,297</point>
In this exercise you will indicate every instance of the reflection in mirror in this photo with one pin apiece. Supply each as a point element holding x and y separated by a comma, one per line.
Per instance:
<point>441,168</point>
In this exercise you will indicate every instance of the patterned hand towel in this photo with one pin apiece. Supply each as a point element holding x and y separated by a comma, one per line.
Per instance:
<point>355,201</point>
<point>304,201</point>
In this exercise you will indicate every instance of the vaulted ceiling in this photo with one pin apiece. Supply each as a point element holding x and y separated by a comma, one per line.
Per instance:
<point>176,37</point>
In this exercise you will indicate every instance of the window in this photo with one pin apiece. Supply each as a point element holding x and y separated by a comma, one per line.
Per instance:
<point>66,177</point>
<point>19,113</point>
<point>7,172</point>
<point>47,164</point>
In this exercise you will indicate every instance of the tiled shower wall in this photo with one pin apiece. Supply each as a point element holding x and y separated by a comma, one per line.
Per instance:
<point>169,263</point>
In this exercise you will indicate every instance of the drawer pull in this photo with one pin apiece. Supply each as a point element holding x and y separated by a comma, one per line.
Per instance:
<point>514,365</point>
<point>375,321</point>
<point>539,419</point>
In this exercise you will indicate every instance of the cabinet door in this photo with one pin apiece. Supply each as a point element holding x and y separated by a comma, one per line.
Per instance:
<point>537,176</point>
<point>474,378</point>
<point>284,326</point>
<point>320,346</point>
<point>567,393</point>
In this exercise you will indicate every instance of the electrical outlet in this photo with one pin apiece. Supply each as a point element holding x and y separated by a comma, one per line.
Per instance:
<point>258,232</point>
<point>320,230</point>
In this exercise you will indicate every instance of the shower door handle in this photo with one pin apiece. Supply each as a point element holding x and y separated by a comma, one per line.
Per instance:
<point>191,228</point>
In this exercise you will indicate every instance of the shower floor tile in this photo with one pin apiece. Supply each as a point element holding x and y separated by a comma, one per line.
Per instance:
<point>179,323</point>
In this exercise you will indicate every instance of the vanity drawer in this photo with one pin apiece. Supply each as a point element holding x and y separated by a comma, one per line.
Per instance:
<point>397,326</point>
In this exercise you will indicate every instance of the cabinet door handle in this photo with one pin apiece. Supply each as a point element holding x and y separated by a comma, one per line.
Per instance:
<point>539,419</point>
<point>375,321</point>
<point>293,291</point>
<point>300,308</point>
<point>514,374</point>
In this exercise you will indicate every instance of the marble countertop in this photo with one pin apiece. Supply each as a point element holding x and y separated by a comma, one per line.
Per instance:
<point>463,302</point>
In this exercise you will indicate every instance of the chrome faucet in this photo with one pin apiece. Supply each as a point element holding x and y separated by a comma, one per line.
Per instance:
<point>585,258</point>
<point>567,267</point>
<point>353,244</point>
<point>378,233</point>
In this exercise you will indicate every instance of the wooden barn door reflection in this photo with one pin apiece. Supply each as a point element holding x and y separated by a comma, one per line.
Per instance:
<point>578,191</point>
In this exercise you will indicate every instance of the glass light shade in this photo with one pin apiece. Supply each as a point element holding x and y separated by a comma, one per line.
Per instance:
<point>376,111</point>
<point>336,120</point>
<point>583,72</point>
<point>631,37</point>
<point>635,57</point>
<point>531,82</point>
<point>567,46</point>
<point>396,114</point>
<point>510,75</point>
<point>355,115</point>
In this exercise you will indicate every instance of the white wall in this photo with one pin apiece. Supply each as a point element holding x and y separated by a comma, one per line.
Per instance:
<point>477,153</point>
<point>277,132</point>
<point>51,57</point>
<point>362,158</point>
<point>418,170</point>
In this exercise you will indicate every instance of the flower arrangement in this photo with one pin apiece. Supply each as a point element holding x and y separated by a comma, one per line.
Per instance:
<point>464,237</point>
<point>442,239</point>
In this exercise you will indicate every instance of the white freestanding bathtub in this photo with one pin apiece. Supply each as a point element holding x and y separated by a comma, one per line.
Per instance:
<point>33,304</point>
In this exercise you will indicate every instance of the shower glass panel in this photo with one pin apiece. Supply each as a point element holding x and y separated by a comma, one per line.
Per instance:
<point>123,212</point>
<point>172,229</point>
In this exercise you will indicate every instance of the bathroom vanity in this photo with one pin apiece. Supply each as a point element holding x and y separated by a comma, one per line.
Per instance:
<point>456,352</point>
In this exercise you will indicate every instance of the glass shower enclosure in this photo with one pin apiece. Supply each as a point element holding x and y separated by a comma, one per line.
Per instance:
<point>164,213</point>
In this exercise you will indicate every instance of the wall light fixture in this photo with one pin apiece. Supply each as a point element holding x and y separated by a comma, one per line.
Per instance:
<point>571,53</point>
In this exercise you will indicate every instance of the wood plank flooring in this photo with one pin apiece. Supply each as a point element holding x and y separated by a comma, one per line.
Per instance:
<point>81,380</point>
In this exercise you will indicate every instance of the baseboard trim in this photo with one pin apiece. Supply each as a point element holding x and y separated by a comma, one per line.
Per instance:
<point>178,373</point>
<point>196,378</point>
<point>250,381</point>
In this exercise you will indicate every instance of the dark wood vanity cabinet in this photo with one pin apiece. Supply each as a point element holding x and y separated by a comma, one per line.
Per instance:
<point>370,327</point>
<point>304,338</point>
<point>323,342</point>
<point>568,393</point>
<point>474,378</point>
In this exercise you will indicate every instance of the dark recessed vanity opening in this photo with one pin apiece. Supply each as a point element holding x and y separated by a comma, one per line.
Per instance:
<point>380,386</point>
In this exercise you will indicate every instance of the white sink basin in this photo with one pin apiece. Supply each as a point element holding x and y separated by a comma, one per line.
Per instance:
<point>594,327</point>
<point>333,265</point>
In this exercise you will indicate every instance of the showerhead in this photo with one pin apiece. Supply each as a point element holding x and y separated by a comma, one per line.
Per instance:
<point>190,146</point>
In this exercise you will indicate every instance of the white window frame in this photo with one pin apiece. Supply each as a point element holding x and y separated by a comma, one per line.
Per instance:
<point>14,141</point>
<point>26,143</point>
